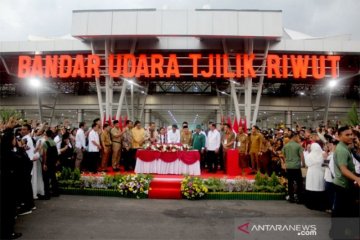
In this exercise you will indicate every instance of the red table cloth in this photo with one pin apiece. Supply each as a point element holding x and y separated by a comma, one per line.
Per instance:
<point>187,157</point>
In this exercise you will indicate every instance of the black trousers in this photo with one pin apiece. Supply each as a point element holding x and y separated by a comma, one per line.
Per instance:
<point>128,158</point>
<point>49,178</point>
<point>7,205</point>
<point>202,160</point>
<point>92,161</point>
<point>220,158</point>
<point>211,160</point>
<point>345,215</point>
<point>23,183</point>
<point>294,175</point>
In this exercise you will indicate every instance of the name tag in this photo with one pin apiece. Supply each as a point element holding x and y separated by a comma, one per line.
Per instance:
<point>239,144</point>
<point>225,141</point>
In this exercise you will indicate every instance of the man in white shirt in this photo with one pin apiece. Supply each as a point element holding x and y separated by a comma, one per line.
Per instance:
<point>80,144</point>
<point>58,138</point>
<point>93,157</point>
<point>174,135</point>
<point>28,192</point>
<point>212,145</point>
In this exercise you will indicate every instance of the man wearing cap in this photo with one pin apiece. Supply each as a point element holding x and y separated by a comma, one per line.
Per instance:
<point>185,135</point>
<point>116,134</point>
<point>198,143</point>
<point>174,135</point>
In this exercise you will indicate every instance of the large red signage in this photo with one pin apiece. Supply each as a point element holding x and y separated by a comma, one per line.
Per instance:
<point>166,66</point>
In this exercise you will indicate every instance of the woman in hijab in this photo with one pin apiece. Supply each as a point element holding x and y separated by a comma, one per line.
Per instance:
<point>315,183</point>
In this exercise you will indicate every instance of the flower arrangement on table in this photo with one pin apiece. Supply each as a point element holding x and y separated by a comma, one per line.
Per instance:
<point>167,147</point>
<point>193,188</point>
<point>134,185</point>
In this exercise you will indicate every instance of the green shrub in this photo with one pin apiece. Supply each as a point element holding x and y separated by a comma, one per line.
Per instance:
<point>215,184</point>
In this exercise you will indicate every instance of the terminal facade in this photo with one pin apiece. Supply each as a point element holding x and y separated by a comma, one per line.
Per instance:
<point>170,66</point>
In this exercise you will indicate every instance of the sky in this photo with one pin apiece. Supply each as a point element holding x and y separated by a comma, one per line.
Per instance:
<point>52,18</point>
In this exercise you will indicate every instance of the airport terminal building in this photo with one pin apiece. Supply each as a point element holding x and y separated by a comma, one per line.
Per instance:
<point>171,66</point>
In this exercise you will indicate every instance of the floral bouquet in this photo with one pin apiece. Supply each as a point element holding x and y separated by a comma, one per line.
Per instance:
<point>134,185</point>
<point>193,187</point>
<point>185,147</point>
<point>164,147</point>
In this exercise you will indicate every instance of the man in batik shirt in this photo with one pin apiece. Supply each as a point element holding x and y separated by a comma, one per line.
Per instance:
<point>127,144</point>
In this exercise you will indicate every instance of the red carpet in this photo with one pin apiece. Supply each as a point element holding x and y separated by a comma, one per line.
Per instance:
<point>204,174</point>
<point>165,188</point>
<point>168,186</point>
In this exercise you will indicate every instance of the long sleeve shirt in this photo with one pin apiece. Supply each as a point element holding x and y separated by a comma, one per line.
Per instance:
<point>138,137</point>
<point>80,139</point>
<point>93,136</point>
<point>198,141</point>
<point>174,137</point>
<point>213,140</point>
<point>30,147</point>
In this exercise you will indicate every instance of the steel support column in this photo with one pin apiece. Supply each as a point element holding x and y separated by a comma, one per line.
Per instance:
<point>249,46</point>
<point>39,105</point>
<point>98,88</point>
<point>327,108</point>
<point>220,104</point>
<point>141,110</point>
<point>232,86</point>
<point>261,82</point>
<point>108,83</point>
<point>124,85</point>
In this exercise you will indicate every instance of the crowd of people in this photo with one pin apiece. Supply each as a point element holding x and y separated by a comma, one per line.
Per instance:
<point>31,154</point>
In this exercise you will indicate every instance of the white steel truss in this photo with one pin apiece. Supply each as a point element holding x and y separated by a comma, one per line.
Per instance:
<point>236,89</point>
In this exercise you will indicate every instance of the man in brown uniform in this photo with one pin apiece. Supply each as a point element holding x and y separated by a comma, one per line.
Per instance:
<point>116,134</point>
<point>106,147</point>
<point>254,148</point>
<point>186,136</point>
<point>242,146</point>
<point>228,140</point>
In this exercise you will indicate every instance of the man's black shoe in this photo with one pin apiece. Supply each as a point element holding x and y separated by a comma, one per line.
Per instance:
<point>15,235</point>
<point>43,197</point>
<point>291,200</point>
